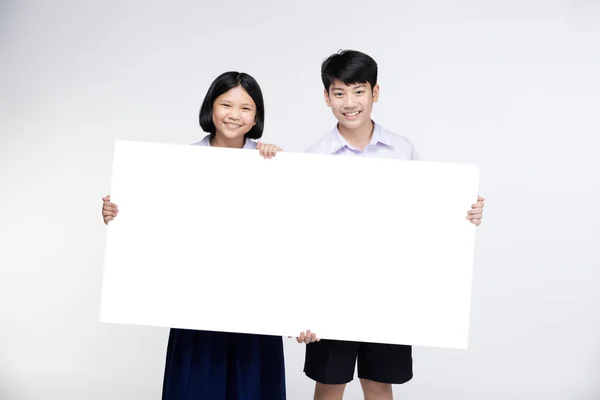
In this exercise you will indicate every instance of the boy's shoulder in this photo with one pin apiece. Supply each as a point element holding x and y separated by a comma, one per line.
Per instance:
<point>324,145</point>
<point>330,143</point>
<point>395,139</point>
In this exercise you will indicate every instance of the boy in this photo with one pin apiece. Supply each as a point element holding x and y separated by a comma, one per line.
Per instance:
<point>350,87</point>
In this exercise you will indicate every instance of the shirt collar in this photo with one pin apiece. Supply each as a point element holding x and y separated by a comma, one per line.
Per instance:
<point>379,136</point>
<point>248,144</point>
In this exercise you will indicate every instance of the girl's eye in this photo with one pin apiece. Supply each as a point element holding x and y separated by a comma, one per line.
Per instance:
<point>247,109</point>
<point>225,105</point>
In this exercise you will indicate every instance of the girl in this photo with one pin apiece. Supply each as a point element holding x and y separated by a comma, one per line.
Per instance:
<point>203,365</point>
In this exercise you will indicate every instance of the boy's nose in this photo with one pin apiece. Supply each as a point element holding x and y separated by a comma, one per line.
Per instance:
<point>349,102</point>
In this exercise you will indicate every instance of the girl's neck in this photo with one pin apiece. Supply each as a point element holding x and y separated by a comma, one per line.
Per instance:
<point>222,141</point>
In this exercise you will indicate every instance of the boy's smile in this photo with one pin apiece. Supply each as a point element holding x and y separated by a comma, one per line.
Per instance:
<point>351,115</point>
<point>352,104</point>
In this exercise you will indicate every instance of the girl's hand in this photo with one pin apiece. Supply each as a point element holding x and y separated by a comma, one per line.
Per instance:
<point>109,210</point>
<point>475,214</point>
<point>267,150</point>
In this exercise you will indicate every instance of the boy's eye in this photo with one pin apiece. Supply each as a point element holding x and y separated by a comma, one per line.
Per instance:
<point>360,92</point>
<point>337,94</point>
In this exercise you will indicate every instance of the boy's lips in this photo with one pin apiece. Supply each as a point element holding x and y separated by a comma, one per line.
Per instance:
<point>351,114</point>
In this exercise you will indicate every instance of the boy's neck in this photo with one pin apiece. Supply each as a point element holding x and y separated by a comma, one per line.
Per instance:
<point>360,137</point>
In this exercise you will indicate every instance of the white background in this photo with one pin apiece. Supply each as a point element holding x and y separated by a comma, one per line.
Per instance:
<point>511,85</point>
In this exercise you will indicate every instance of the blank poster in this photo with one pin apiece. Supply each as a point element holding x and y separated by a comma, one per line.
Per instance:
<point>353,248</point>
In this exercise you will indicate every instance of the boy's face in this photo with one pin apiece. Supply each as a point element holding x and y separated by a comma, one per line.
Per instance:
<point>352,104</point>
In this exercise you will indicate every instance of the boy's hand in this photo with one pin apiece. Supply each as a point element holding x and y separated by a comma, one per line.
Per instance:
<point>475,215</point>
<point>109,210</point>
<point>267,150</point>
<point>307,337</point>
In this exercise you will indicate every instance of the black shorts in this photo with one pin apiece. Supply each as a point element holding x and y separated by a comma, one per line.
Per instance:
<point>332,362</point>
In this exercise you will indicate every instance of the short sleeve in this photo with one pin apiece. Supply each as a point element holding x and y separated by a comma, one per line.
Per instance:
<point>414,155</point>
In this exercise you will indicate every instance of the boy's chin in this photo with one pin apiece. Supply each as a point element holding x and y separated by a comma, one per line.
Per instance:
<point>352,125</point>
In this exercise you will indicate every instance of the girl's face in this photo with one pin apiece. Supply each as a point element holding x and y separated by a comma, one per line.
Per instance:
<point>234,113</point>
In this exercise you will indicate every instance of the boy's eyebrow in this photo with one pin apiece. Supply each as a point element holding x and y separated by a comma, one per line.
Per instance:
<point>360,85</point>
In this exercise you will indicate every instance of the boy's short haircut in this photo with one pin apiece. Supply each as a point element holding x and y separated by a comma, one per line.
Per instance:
<point>350,67</point>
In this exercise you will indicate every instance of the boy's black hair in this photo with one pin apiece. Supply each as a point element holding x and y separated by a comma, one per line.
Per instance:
<point>350,67</point>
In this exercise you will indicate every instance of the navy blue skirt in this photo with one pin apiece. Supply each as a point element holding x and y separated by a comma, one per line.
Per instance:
<point>203,365</point>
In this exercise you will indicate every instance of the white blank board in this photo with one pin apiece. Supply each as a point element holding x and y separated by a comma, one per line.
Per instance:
<point>353,248</point>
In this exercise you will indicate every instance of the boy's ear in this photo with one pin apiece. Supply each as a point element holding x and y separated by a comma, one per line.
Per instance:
<point>376,93</point>
<point>326,94</point>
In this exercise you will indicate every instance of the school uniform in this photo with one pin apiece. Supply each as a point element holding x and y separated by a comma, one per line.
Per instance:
<point>333,361</point>
<point>206,365</point>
